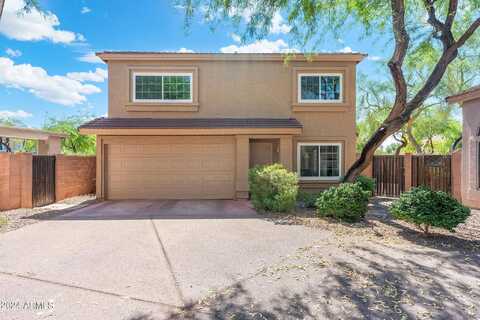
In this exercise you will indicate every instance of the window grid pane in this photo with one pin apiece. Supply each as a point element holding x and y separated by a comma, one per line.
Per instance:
<point>329,161</point>
<point>309,161</point>
<point>330,89</point>
<point>176,87</point>
<point>148,87</point>
<point>162,87</point>
<point>310,87</point>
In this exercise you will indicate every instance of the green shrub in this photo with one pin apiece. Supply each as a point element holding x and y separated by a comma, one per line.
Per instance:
<point>367,183</point>
<point>427,208</point>
<point>307,198</point>
<point>347,202</point>
<point>3,220</point>
<point>273,188</point>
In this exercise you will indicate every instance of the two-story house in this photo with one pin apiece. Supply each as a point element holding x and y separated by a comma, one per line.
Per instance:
<point>190,125</point>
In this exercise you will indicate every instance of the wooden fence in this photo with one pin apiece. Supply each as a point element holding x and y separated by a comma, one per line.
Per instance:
<point>395,174</point>
<point>433,171</point>
<point>388,172</point>
<point>43,180</point>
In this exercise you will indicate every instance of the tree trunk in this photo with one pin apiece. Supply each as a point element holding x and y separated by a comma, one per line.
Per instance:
<point>2,3</point>
<point>402,145</point>
<point>402,109</point>
<point>411,138</point>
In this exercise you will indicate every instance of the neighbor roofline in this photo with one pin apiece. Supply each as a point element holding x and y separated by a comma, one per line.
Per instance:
<point>177,56</point>
<point>469,94</point>
<point>28,133</point>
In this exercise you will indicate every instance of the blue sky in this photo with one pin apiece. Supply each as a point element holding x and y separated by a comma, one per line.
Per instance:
<point>47,66</point>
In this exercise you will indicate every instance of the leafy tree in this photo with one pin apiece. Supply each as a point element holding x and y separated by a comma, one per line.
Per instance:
<point>75,143</point>
<point>29,5</point>
<point>438,27</point>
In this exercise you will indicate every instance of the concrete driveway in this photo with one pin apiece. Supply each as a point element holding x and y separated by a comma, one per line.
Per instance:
<point>137,259</point>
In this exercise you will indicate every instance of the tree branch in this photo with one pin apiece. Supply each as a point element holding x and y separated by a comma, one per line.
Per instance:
<point>452,11</point>
<point>442,30</point>
<point>395,64</point>
<point>468,33</point>
<point>448,55</point>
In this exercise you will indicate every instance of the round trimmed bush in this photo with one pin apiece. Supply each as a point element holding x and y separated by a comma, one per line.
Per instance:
<point>273,188</point>
<point>347,202</point>
<point>367,184</point>
<point>427,208</point>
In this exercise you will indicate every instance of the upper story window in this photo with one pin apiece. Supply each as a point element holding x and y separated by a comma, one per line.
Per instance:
<point>162,87</point>
<point>320,87</point>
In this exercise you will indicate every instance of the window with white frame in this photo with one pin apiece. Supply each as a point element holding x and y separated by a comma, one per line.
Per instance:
<point>162,87</point>
<point>319,161</point>
<point>320,88</point>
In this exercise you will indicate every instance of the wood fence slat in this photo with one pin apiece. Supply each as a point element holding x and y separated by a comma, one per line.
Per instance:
<point>43,180</point>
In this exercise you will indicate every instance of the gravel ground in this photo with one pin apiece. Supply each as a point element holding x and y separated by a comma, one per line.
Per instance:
<point>17,218</point>
<point>378,269</point>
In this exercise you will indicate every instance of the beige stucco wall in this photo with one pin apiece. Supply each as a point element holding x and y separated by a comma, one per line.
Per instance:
<point>471,124</point>
<point>248,89</point>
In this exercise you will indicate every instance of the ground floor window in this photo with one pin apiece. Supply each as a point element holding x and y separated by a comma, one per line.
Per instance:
<point>320,161</point>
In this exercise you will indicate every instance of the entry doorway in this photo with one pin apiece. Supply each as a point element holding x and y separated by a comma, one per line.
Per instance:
<point>264,151</point>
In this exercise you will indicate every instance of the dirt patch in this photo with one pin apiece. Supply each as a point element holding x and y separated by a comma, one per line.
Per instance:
<point>18,218</point>
<point>379,226</point>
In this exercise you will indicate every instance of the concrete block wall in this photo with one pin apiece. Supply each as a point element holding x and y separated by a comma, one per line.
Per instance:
<point>15,180</point>
<point>74,175</point>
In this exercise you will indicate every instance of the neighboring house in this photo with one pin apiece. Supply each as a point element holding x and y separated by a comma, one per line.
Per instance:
<point>48,143</point>
<point>183,125</point>
<point>470,102</point>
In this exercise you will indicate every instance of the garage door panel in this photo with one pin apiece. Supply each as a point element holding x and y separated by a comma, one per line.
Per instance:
<point>199,169</point>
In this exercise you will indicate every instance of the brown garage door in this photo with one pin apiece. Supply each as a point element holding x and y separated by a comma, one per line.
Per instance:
<point>171,168</point>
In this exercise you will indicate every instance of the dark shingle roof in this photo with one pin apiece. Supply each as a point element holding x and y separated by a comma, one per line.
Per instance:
<point>190,123</point>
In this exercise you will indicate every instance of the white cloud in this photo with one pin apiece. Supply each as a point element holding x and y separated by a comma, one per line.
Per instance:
<point>81,37</point>
<point>185,50</point>
<point>260,46</point>
<point>90,57</point>
<point>14,114</point>
<point>278,25</point>
<point>278,22</point>
<point>346,50</point>
<point>85,10</point>
<point>98,76</point>
<point>33,25</point>
<point>13,53</point>
<point>374,58</point>
<point>57,89</point>
<point>236,38</point>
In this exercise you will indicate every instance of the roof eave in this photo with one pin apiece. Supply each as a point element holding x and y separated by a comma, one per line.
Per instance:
<point>146,56</point>
<point>189,131</point>
<point>464,96</point>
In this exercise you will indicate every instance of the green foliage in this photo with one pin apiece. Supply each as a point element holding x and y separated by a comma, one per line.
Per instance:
<point>273,188</point>
<point>75,143</point>
<point>307,198</point>
<point>346,202</point>
<point>366,183</point>
<point>3,220</point>
<point>427,208</point>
